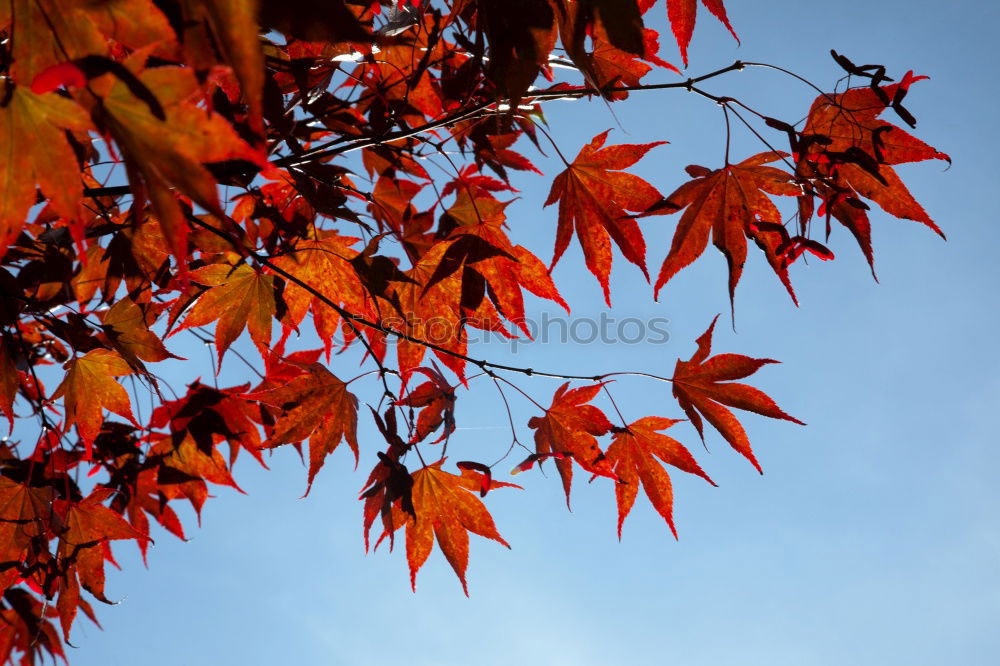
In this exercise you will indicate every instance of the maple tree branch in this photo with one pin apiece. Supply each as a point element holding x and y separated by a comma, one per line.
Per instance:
<point>634,373</point>
<point>352,319</point>
<point>793,75</point>
<point>729,134</point>
<point>510,420</point>
<point>333,148</point>
<point>347,316</point>
<point>345,144</point>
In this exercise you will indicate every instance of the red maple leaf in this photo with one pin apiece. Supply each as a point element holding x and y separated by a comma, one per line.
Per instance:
<point>594,195</point>
<point>632,455</point>
<point>446,509</point>
<point>682,15</point>
<point>436,400</point>
<point>726,205</point>
<point>852,153</point>
<point>702,387</point>
<point>568,429</point>
<point>316,406</point>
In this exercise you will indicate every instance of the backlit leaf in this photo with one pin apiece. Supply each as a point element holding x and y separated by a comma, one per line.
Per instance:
<point>633,456</point>
<point>569,428</point>
<point>703,387</point>
<point>90,387</point>
<point>594,195</point>
<point>315,405</point>
<point>446,509</point>
<point>724,205</point>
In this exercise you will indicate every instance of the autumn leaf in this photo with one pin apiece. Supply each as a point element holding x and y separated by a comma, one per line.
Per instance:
<point>88,526</point>
<point>325,266</point>
<point>208,415</point>
<point>594,195</point>
<point>133,23</point>
<point>569,428</point>
<point>446,509</point>
<point>682,14</point>
<point>27,629</point>
<point>436,314</point>
<point>510,270</point>
<point>633,456</point>
<point>234,26</point>
<point>140,495</point>
<point>315,406</point>
<point>126,325</point>
<point>724,205</point>
<point>169,150</point>
<point>184,469</point>
<point>89,387</point>
<point>9,379</point>
<point>852,151</point>
<point>238,297</point>
<point>702,387</point>
<point>47,32</point>
<point>28,120</point>
<point>389,484</point>
<point>521,34</point>
<point>617,45</point>
<point>436,401</point>
<point>25,513</point>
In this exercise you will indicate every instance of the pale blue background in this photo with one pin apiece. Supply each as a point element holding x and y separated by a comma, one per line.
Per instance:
<point>872,538</point>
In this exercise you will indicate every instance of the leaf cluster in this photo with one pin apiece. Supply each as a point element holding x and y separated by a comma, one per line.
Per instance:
<point>254,174</point>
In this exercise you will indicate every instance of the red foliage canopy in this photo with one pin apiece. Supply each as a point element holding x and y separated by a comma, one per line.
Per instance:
<point>261,166</point>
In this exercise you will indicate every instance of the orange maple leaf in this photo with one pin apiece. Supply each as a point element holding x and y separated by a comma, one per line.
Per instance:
<point>849,122</point>
<point>509,270</point>
<point>183,460</point>
<point>239,297</point>
<point>436,400</point>
<point>27,121</point>
<point>434,312</point>
<point>89,387</point>
<point>567,433</point>
<point>594,195</point>
<point>325,265</point>
<point>724,204</point>
<point>315,406</point>
<point>126,325</point>
<point>166,140</point>
<point>87,527</point>
<point>633,454</point>
<point>25,512</point>
<point>445,507</point>
<point>47,32</point>
<point>702,387</point>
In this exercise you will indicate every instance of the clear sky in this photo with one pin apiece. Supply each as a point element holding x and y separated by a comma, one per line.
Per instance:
<point>872,537</point>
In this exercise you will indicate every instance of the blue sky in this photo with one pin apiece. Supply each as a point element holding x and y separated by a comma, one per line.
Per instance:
<point>872,537</point>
